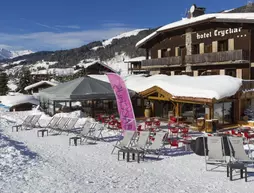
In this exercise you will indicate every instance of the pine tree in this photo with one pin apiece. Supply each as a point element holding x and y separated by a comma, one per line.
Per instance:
<point>3,83</point>
<point>25,80</point>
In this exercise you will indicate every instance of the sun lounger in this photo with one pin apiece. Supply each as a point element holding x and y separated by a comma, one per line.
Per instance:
<point>69,126</point>
<point>87,131</point>
<point>60,125</point>
<point>126,141</point>
<point>158,144</point>
<point>97,131</point>
<point>216,155</point>
<point>142,141</point>
<point>27,120</point>
<point>34,122</point>
<point>237,150</point>
<point>53,122</point>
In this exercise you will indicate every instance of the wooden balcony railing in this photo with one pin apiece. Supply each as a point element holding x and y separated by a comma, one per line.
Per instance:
<point>226,56</point>
<point>168,61</point>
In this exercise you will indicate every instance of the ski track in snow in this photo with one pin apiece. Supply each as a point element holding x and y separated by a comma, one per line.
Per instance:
<point>49,164</point>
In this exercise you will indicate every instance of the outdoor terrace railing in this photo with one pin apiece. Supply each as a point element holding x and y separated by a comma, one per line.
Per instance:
<point>167,61</point>
<point>234,55</point>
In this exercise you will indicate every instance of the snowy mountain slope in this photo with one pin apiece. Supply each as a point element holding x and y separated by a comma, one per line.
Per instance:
<point>123,35</point>
<point>7,54</point>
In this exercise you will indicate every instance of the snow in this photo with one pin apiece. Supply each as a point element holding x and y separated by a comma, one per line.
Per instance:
<point>96,48</point>
<point>14,70</point>
<point>40,83</point>
<point>216,86</point>
<point>85,64</point>
<point>118,64</point>
<point>12,85</point>
<point>56,71</point>
<point>7,54</point>
<point>137,59</point>
<point>21,53</point>
<point>10,101</point>
<point>49,164</point>
<point>42,64</point>
<point>215,17</point>
<point>123,35</point>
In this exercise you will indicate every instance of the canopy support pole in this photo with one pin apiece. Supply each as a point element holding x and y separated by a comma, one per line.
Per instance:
<point>54,108</point>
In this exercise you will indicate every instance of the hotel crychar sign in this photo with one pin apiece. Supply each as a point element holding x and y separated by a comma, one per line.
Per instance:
<point>218,33</point>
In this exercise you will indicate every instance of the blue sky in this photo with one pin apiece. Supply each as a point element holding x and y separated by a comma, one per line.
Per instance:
<point>63,24</point>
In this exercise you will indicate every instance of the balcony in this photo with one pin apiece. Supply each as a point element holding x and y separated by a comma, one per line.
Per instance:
<point>162,62</point>
<point>218,57</point>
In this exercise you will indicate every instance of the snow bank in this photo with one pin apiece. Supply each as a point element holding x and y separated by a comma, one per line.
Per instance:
<point>18,99</point>
<point>58,167</point>
<point>217,86</point>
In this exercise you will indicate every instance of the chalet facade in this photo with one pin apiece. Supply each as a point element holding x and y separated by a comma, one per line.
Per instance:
<point>209,44</point>
<point>134,65</point>
<point>205,44</point>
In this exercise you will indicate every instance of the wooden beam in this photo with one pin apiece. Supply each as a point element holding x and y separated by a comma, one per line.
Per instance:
<point>158,98</point>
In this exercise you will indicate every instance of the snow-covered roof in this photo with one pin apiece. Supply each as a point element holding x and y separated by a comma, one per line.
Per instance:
<point>137,59</point>
<point>86,65</point>
<point>11,101</point>
<point>215,17</point>
<point>40,83</point>
<point>208,87</point>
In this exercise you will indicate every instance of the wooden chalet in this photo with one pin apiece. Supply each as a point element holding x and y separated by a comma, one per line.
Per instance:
<point>205,44</point>
<point>134,65</point>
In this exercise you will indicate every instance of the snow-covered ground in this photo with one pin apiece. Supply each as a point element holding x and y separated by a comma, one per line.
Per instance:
<point>49,164</point>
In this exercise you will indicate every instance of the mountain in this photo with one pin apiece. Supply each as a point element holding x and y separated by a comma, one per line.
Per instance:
<point>7,54</point>
<point>121,45</point>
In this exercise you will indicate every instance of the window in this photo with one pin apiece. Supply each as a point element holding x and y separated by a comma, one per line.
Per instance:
<point>164,53</point>
<point>208,48</point>
<point>195,49</point>
<point>230,72</point>
<point>222,46</point>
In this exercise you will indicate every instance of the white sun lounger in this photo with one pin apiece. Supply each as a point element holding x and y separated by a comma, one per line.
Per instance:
<point>87,131</point>
<point>237,150</point>
<point>60,125</point>
<point>142,142</point>
<point>34,122</point>
<point>97,131</point>
<point>27,120</point>
<point>158,144</point>
<point>216,155</point>
<point>126,141</point>
<point>69,126</point>
<point>53,122</point>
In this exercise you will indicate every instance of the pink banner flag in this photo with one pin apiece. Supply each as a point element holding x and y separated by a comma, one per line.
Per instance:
<point>123,100</point>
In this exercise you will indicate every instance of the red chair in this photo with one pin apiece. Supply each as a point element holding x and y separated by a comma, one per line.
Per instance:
<point>157,123</point>
<point>174,131</point>
<point>233,132</point>
<point>174,143</point>
<point>248,136</point>
<point>185,131</point>
<point>112,124</point>
<point>148,124</point>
